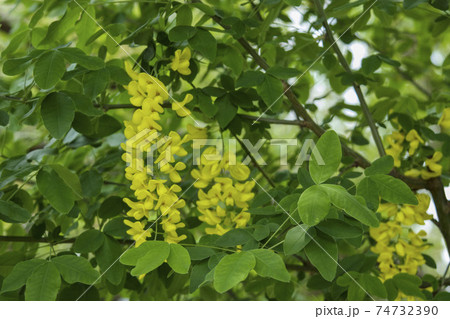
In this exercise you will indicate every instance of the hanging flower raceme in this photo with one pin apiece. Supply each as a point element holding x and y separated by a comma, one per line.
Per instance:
<point>398,142</point>
<point>399,248</point>
<point>156,196</point>
<point>224,193</point>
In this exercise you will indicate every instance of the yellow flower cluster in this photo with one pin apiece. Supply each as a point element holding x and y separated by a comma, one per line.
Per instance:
<point>396,147</point>
<point>222,201</point>
<point>153,194</point>
<point>400,249</point>
<point>433,169</point>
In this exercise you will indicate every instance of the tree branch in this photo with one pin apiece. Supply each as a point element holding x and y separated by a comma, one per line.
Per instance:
<point>356,86</point>
<point>255,162</point>
<point>299,109</point>
<point>442,208</point>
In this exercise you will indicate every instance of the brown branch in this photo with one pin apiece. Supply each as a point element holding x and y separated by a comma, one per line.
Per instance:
<point>356,86</point>
<point>299,109</point>
<point>28,239</point>
<point>442,208</point>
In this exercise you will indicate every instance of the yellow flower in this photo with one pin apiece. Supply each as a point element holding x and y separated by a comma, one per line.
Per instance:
<point>434,169</point>
<point>205,174</point>
<point>444,121</point>
<point>173,171</point>
<point>172,146</point>
<point>179,106</point>
<point>129,69</point>
<point>387,209</point>
<point>412,173</point>
<point>137,231</point>
<point>196,132</point>
<point>140,209</point>
<point>414,140</point>
<point>395,149</point>
<point>239,171</point>
<point>180,61</point>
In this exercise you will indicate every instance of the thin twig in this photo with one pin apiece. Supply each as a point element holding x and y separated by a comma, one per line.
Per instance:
<point>356,86</point>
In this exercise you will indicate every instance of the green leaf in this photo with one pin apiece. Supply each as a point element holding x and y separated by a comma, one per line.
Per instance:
<point>59,28</point>
<point>340,198</point>
<point>116,228</point>
<point>131,256</point>
<point>205,43</point>
<point>313,205</point>
<point>15,42</point>
<point>95,82</point>
<point>20,273</point>
<point>89,241</point>
<point>232,269</point>
<point>297,238</point>
<point>181,33</point>
<point>323,254</point>
<point>250,79</point>
<point>75,55</point>
<point>383,165</point>
<point>184,15</point>
<point>55,190</point>
<point>4,118</point>
<point>91,183</point>
<point>111,207</point>
<point>58,112</point>
<point>283,73</point>
<point>179,259</point>
<point>370,64</point>
<point>373,285</point>
<point>70,178</point>
<point>10,212</point>
<point>75,269</point>
<point>206,105</point>
<point>84,104</point>
<point>157,253</point>
<point>226,111</point>
<point>271,91</point>
<point>43,284</point>
<point>16,66</point>
<point>394,190</point>
<point>339,229</point>
<point>107,256</point>
<point>232,58</point>
<point>269,264</point>
<point>367,189</point>
<point>49,69</point>
<point>198,274</point>
<point>233,238</point>
<point>411,4</point>
<point>326,157</point>
<point>409,285</point>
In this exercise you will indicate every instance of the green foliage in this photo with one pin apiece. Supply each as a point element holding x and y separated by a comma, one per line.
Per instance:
<point>326,157</point>
<point>232,269</point>
<point>254,75</point>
